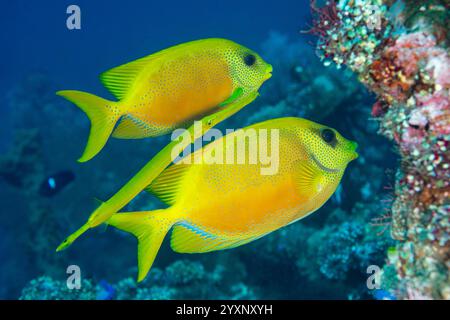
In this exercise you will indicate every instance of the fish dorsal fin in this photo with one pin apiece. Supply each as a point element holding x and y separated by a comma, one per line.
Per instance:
<point>167,185</point>
<point>188,238</point>
<point>308,177</point>
<point>119,80</point>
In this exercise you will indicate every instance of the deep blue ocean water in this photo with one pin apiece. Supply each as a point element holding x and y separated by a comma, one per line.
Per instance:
<point>40,56</point>
<point>36,38</point>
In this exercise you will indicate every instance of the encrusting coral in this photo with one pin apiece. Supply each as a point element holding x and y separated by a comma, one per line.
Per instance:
<point>399,50</point>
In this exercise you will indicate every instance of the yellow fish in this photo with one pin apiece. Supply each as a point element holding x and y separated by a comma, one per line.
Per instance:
<point>216,206</point>
<point>154,168</point>
<point>169,89</point>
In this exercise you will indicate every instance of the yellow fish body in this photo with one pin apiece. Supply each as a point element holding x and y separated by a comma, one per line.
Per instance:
<point>169,89</point>
<point>221,206</point>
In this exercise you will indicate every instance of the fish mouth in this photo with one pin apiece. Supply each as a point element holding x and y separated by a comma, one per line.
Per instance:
<point>268,73</point>
<point>354,154</point>
<point>324,168</point>
<point>267,76</point>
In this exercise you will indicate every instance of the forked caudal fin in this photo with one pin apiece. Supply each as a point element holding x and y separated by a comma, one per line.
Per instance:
<point>150,228</point>
<point>103,115</point>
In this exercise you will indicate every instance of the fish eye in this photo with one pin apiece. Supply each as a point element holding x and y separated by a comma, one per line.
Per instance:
<point>328,136</point>
<point>249,59</point>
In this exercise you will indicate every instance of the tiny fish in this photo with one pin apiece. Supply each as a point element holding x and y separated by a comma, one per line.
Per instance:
<point>105,291</point>
<point>169,89</point>
<point>54,183</point>
<point>222,206</point>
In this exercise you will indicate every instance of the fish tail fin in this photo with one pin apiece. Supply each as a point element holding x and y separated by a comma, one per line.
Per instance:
<point>150,228</point>
<point>103,115</point>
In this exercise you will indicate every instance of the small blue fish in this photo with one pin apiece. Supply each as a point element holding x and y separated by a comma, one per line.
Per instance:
<point>380,294</point>
<point>106,291</point>
<point>54,183</point>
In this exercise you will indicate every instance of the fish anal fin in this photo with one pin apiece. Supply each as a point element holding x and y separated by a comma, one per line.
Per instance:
<point>149,228</point>
<point>167,185</point>
<point>188,238</point>
<point>131,127</point>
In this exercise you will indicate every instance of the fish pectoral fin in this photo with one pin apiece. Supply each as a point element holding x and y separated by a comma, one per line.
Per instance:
<point>237,93</point>
<point>188,238</point>
<point>98,201</point>
<point>308,177</point>
<point>149,228</point>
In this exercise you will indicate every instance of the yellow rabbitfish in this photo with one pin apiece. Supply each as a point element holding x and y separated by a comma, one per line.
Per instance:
<point>221,206</point>
<point>169,89</point>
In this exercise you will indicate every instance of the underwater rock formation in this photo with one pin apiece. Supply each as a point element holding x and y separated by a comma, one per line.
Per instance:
<point>33,105</point>
<point>399,50</point>
<point>26,163</point>
<point>21,166</point>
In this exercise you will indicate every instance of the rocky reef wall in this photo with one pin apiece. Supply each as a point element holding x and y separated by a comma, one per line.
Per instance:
<point>399,51</point>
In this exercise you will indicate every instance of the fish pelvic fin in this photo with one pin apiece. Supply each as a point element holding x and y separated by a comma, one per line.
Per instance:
<point>103,115</point>
<point>150,228</point>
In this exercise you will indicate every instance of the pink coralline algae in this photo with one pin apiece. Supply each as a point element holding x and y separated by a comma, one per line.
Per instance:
<point>413,64</point>
<point>400,52</point>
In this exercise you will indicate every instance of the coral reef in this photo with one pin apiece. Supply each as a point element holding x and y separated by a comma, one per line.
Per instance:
<point>45,288</point>
<point>399,50</point>
<point>182,279</point>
